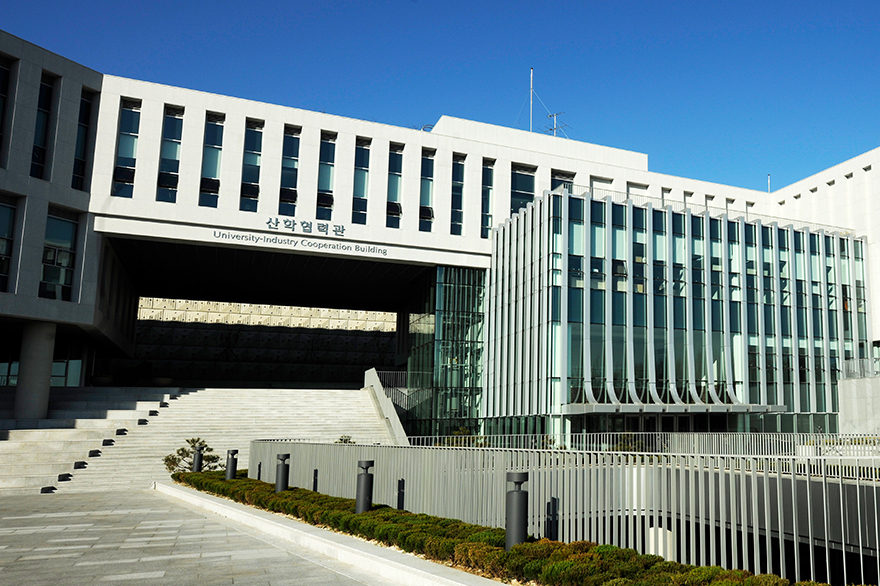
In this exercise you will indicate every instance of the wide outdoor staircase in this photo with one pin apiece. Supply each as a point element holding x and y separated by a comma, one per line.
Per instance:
<point>98,439</point>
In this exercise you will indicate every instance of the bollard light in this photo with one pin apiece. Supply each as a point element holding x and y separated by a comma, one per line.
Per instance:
<point>315,481</point>
<point>517,526</point>
<point>231,464</point>
<point>197,459</point>
<point>364,497</point>
<point>282,473</point>
<point>401,488</point>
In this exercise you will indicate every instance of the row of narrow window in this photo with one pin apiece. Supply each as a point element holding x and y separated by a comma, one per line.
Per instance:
<point>47,103</point>
<point>169,168</point>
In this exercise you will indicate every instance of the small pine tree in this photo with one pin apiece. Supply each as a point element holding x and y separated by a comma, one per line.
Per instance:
<point>182,459</point>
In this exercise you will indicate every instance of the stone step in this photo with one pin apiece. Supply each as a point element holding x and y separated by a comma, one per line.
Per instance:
<point>103,414</point>
<point>101,405</point>
<point>25,435</point>
<point>43,446</point>
<point>52,457</point>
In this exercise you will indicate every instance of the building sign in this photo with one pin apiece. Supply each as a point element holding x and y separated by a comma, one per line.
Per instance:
<point>305,226</point>
<point>296,243</point>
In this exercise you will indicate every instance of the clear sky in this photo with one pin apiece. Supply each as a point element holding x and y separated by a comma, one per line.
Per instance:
<point>724,91</point>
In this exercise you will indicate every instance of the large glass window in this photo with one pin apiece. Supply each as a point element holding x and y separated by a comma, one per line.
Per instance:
<point>82,141</point>
<point>486,198</point>
<point>209,189</point>
<point>289,171</point>
<point>250,167</point>
<point>42,132</point>
<point>325,176</point>
<point>126,147</point>
<point>395,178</point>
<point>7,230</point>
<point>457,194</point>
<point>522,187</point>
<point>169,161</point>
<point>426,191</point>
<point>59,255</point>
<point>361,181</point>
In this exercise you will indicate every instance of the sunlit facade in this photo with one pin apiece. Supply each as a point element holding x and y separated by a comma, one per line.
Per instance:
<point>608,315</point>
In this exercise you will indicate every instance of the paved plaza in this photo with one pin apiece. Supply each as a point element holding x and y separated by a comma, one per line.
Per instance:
<point>145,537</point>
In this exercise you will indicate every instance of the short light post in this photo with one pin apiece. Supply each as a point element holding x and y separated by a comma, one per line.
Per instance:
<point>197,459</point>
<point>231,464</point>
<point>517,527</point>
<point>364,496</point>
<point>282,473</point>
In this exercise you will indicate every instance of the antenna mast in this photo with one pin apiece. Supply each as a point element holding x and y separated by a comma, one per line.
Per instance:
<point>531,93</point>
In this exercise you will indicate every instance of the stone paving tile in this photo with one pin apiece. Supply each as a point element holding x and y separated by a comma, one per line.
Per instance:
<point>142,537</point>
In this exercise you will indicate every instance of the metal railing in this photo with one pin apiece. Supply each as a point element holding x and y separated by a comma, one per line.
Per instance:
<point>743,444</point>
<point>789,515</point>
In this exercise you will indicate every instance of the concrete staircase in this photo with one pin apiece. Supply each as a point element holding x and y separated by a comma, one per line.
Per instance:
<point>106,439</point>
<point>38,455</point>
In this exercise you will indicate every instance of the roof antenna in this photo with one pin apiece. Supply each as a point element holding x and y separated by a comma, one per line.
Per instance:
<point>768,182</point>
<point>531,93</point>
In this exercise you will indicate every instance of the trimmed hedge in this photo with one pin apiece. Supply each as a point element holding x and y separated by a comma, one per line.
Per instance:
<point>472,547</point>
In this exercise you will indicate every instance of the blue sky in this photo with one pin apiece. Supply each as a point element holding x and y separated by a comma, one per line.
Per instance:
<point>721,91</point>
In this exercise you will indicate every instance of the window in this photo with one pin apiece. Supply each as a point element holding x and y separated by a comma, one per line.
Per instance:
<point>169,157</point>
<point>42,134</point>
<point>562,179</point>
<point>325,176</point>
<point>126,147</point>
<point>250,167</point>
<point>289,170</point>
<point>7,231</point>
<point>522,187</point>
<point>426,191</point>
<point>5,75</point>
<point>59,255</point>
<point>457,194</point>
<point>395,177</point>
<point>361,181</point>
<point>486,198</point>
<point>82,141</point>
<point>209,189</point>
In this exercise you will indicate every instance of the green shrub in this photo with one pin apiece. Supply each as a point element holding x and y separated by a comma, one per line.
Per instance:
<point>766,580</point>
<point>551,563</point>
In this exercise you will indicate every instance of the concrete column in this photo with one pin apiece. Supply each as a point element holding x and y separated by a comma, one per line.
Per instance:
<point>35,370</point>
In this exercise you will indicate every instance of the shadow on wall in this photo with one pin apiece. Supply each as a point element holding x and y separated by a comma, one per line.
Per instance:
<point>199,355</point>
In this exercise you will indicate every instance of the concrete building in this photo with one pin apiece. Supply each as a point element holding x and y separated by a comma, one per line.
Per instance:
<point>114,190</point>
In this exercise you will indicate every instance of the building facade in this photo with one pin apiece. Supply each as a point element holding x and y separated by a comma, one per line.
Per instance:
<point>538,282</point>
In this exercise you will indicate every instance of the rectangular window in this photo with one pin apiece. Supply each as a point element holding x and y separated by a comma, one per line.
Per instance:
<point>250,167</point>
<point>169,156</point>
<point>7,231</point>
<point>522,187</point>
<point>457,194</point>
<point>5,77</point>
<point>289,171</point>
<point>562,179</point>
<point>209,189</point>
<point>486,198</point>
<point>395,177</point>
<point>361,181</point>
<point>59,255</point>
<point>42,132</point>
<point>82,141</point>
<point>426,191</point>
<point>326,163</point>
<point>126,147</point>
